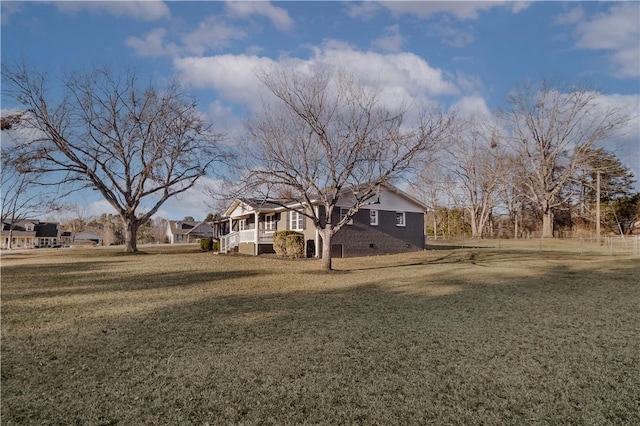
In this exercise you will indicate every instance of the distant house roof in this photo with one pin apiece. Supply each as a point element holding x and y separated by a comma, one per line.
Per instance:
<point>20,225</point>
<point>87,236</point>
<point>185,227</point>
<point>31,228</point>
<point>47,230</point>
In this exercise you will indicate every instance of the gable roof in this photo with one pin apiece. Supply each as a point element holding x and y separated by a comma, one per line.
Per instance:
<point>47,230</point>
<point>403,194</point>
<point>251,205</point>
<point>40,229</point>
<point>184,227</point>
<point>19,225</point>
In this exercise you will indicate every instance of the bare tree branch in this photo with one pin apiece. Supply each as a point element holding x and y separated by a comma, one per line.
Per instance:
<point>554,130</point>
<point>133,144</point>
<point>325,137</point>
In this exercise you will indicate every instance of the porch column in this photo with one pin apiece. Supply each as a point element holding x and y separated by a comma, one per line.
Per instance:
<point>317,244</point>
<point>256,236</point>
<point>230,226</point>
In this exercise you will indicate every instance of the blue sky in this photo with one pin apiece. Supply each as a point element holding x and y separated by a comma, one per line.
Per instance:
<point>464,55</point>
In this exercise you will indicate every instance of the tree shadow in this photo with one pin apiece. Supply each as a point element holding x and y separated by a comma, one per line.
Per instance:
<point>449,350</point>
<point>47,281</point>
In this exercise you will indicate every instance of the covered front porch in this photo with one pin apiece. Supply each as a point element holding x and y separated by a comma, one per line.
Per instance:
<point>250,230</point>
<point>248,241</point>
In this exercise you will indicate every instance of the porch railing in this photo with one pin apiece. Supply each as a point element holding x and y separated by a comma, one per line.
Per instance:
<point>233,239</point>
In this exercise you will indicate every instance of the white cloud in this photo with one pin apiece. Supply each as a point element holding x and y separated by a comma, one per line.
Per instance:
<point>213,33</point>
<point>575,15</point>
<point>278,16</point>
<point>225,120</point>
<point>616,31</point>
<point>364,10</point>
<point>392,42</point>
<point>469,106</point>
<point>451,35</point>
<point>232,76</point>
<point>460,9</point>
<point>402,76</point>
<point>149,10</point>
<point>625,143</point>
<point>195,202</point>
<point>8,8</point>
<point>152,44</point>
<point>97,208</point>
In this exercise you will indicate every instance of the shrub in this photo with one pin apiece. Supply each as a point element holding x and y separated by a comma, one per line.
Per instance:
<point>280,242</point>
<point>206,244</point>
<point>295,246</point>
<point>216,245</point>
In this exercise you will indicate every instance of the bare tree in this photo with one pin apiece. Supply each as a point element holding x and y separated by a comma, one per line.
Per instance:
<point>553,131</point>
<point>510,191</point>
<point>429,187</point>
<point>477,161</point>
<point>137,146</point>
<point>22,197</point>
<point>76,219</point>
<point>327,137</point>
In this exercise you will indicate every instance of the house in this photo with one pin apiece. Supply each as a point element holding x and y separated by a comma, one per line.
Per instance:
<point>181,231</point>
<point>87,238</point>
<point>393,224</point>
<point>30,233</point>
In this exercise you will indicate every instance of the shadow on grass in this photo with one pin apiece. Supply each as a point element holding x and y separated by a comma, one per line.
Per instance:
<point>447,247</point>
<point>544,347</point>
<point>83,278</point>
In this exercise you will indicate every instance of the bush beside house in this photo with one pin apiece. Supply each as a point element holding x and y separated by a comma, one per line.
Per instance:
<point>288,244</point>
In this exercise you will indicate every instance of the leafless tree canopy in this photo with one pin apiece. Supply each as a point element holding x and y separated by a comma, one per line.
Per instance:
<point>478,161</point>
<point>21,196</point>
<point>323,133</point>
<point>553,131</point>
<point>138,146</point>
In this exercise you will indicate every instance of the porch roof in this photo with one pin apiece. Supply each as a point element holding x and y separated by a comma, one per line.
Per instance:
<point>242,207</point>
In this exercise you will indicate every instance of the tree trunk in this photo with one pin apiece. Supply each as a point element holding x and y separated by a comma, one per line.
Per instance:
<point>326,235</point>
<point>476,228</point>
<point>547,222</point>
<point>131,226</point>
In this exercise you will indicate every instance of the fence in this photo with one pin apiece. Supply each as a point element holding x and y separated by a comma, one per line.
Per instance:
<point>611,245</point>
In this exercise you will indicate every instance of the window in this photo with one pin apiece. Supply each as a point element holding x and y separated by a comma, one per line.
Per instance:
<point>373,217</point>
<point>269,223</point>
<point>343,214</point>
<point>400,219</point>
<point>296,221</point>
<point>243,224</point>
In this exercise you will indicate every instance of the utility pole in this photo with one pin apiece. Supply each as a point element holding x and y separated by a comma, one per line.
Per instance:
<point>598,209</point>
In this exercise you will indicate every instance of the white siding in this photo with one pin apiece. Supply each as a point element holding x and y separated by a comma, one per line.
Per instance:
<point>389,201</point>
<point>240,210</point>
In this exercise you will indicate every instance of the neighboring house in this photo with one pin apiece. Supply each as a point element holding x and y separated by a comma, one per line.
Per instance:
<point>65,237</point>
<point>87,238</point>
<point>180,231</point>
<point>393,224</point>
<point>30,233</point>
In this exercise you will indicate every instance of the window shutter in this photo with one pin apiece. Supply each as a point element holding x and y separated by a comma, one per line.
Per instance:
<point>304,222</point>
<point>287,220</point>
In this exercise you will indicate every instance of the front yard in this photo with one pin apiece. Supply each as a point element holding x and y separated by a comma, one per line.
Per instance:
<point>450,336</point>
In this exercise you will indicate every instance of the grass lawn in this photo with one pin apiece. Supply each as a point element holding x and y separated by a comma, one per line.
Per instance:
<point>176,336</point>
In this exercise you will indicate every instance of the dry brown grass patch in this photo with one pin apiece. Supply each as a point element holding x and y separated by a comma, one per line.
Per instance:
<point>179,336</point>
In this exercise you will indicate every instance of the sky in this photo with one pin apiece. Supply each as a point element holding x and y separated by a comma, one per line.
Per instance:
<point>457,55</point>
